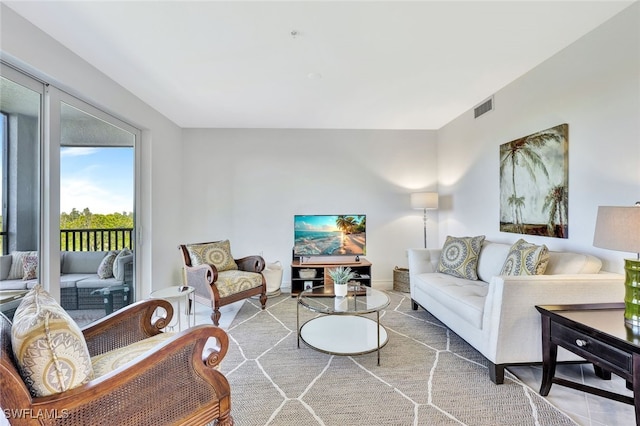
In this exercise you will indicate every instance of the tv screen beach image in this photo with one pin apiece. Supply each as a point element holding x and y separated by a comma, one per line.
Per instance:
<point>330,235</point>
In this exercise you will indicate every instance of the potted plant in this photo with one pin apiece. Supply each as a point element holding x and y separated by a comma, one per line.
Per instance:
<point>341,277</point>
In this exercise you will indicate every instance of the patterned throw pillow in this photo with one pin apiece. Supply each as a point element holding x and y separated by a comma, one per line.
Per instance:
<point>526,259</point>
<point>217,254</point>
<point>17,264</point>
<point>105,270</point>
<point>48,346</point>
<point>118,272</point>
<point>30,267</point>
<point>459,257</point>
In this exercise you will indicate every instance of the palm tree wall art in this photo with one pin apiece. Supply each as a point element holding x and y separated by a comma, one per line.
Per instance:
<point>534,194</point>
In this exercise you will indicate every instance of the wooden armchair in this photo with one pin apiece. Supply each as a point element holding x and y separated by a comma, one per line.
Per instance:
<point>175,383</point>
<point>220,279</point>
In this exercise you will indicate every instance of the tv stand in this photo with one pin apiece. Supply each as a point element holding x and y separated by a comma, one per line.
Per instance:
<point>329,260</point>
<point>362,268</point>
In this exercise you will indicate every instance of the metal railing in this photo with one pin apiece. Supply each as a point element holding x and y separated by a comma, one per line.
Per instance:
<point>96,239</point>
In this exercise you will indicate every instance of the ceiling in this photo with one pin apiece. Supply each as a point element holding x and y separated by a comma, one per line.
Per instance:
<point>318,64</point>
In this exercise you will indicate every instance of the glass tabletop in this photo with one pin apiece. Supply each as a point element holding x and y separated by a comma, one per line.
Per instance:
<point>359,300</point>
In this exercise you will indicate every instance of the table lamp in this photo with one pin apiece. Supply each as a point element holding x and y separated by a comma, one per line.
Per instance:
<point>424,201</point>
<point>618,228</point>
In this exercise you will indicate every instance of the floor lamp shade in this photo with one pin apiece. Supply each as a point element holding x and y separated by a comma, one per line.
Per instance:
<point>424,200</point>
<point>618,228</point>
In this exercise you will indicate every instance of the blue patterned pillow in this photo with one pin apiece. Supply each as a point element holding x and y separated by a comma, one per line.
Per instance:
<point>526,259</point>
<point>459,256</point>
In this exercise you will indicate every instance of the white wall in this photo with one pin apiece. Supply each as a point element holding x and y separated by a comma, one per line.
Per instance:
<point>157,213</point>
<point>246,185</point>
<point>594,86</point>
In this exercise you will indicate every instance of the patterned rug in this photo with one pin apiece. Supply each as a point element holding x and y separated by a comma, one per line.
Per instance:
<point>427,376</point>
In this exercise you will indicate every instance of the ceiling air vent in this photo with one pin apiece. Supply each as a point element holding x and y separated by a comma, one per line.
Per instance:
<point>483,108</point>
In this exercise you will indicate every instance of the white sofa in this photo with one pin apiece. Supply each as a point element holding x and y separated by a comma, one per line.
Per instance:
<point>496,314</point>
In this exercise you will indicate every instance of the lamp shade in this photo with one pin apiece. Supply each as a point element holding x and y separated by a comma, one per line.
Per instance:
<point>424,200</point>
<point>618,228</point>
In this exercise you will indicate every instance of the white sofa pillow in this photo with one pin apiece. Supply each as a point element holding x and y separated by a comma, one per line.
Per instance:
<point>572,263</point>
<point>492,257</point>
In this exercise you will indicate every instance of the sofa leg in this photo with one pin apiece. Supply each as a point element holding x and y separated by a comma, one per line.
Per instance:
<point>414,305</point>
<point>496,373</point>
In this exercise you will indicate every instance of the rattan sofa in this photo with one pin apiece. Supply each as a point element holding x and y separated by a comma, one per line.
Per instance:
<point>176,382</point>
<point>78,279</point>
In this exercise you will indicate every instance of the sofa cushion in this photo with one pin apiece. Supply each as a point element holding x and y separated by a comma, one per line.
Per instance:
<point>81,262</point>
<point>5,266</point>
<point>48,346</point>
<point>30,267</point>
<point>93,281</point>
<point>109,361</point>
<point>465,297</point>
<point>217,254</point>
<point>15,284</point>
<point>105,269</point>
<point>491,260</point>
<point>572,263</point>
<point>526,259</point>
<point>459,256</point>
<point>17,264</point>
<point>118,264</point>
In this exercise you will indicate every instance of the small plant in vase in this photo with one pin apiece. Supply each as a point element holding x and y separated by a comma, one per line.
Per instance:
<point>341,277</point>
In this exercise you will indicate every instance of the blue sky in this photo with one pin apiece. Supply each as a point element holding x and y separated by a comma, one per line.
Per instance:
<point>98,178</point>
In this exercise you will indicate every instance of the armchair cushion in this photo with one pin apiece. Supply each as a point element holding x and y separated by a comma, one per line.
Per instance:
<point>17,264</point>
<point>48,346</point>
<point>231,282</point>
<point>217,254</point>
<point>109,361</point>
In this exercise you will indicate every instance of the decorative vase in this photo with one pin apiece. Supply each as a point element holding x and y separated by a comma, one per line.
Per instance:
<point>632,292</point>
<point>340,289</point>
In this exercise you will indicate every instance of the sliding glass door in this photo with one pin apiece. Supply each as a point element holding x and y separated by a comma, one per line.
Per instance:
<point>86,159</point>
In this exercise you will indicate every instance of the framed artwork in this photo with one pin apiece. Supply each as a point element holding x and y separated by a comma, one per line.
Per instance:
<point>534,176</point>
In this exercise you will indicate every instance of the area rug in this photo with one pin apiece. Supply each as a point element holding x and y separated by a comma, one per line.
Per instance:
<point>427,376</point>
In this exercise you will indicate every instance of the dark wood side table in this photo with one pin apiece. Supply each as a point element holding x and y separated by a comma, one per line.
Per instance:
<point>598,333</point>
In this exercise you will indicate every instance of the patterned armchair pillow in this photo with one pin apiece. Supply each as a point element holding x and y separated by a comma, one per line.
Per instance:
<point>217,254</point>
<point>459,257</point>
<point>48,346</point>
<point>526,259</point>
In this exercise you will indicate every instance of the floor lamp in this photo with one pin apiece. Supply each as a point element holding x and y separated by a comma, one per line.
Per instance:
<point>618,228</point>
<point>424,201</point>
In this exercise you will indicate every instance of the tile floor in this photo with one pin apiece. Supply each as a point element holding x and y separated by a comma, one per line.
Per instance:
<point>584,409</point>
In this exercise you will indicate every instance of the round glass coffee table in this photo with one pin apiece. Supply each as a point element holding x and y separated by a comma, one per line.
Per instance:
<point>342,328</point>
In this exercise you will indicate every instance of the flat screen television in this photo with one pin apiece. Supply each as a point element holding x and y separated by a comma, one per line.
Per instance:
<point>330,235</point>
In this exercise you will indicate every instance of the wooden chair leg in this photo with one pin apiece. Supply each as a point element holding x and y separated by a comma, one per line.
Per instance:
<point>215,316</point>
<point>263,300</point>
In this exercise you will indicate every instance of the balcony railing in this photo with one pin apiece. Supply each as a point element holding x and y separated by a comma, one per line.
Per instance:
<point>96,239</point>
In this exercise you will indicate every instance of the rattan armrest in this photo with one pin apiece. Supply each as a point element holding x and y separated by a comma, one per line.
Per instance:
<point>251,263</point>
<point>171,384</point>
<point>128,325</point>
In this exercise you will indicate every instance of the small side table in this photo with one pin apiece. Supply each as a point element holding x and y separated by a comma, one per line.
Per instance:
<point>596,332</point>
<point>179,294</point>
